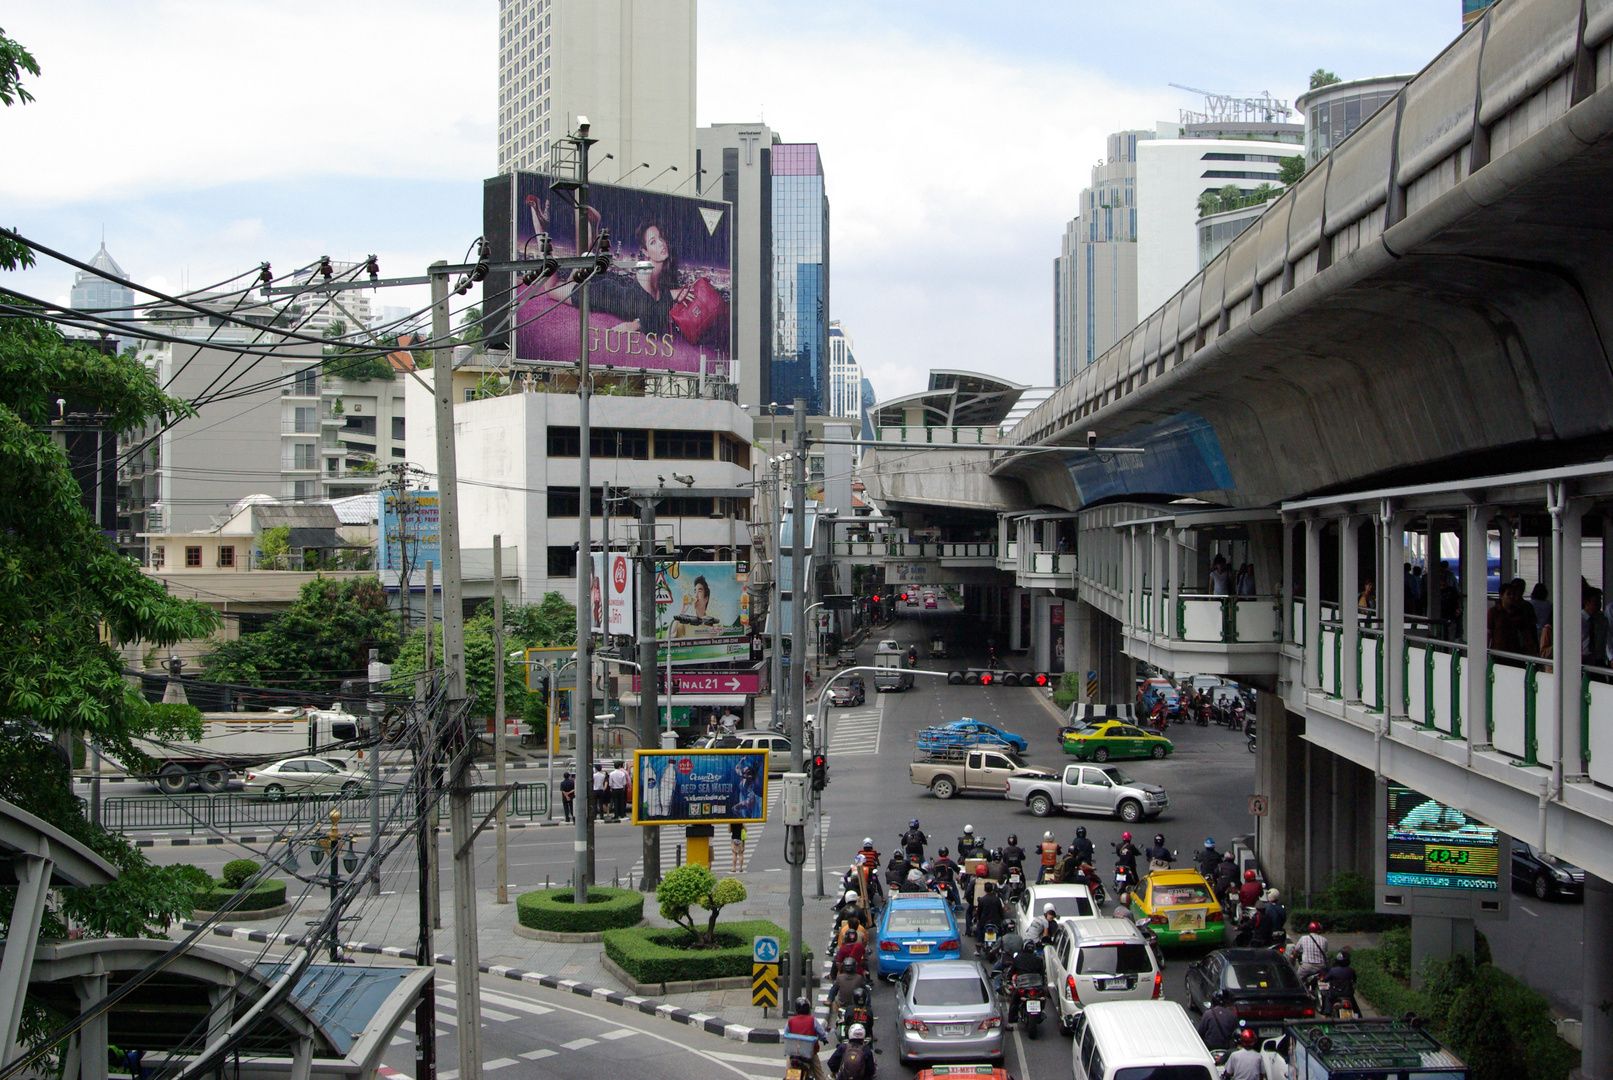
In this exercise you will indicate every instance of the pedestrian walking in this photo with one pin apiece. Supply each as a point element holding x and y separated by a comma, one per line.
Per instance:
<point>737,837</point>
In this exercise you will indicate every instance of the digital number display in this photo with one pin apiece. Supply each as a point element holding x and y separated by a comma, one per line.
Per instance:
<point>1434,846</point>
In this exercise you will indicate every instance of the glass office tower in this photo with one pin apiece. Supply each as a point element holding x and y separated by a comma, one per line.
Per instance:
<point>800,276</point>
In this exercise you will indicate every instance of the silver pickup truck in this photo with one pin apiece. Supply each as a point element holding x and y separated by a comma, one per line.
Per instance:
<point>1087,789</point>
<point>947,772</point>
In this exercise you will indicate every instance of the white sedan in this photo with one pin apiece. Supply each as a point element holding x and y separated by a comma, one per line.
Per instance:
<point>305,776</point>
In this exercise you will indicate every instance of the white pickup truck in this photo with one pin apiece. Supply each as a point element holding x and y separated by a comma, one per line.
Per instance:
<point>947,772</point>
<point>1087,789</point>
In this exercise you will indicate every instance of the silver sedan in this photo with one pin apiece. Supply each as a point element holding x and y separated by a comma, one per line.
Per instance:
<point>305,776</point>
<point>946,1009</point>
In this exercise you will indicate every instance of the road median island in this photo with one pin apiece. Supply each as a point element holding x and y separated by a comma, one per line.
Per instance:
<point>554,911</point>
<point>664,960</point>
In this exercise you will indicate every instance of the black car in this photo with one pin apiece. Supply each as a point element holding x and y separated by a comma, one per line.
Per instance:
<point>1261,984</point>
<point>1545,875</point>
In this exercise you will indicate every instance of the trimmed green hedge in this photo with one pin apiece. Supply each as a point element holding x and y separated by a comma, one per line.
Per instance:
<point>554,910</point>
<point>265,895</point>
<point>1343,921</point>
<point>647,952</point>
<point>1500,1027</point>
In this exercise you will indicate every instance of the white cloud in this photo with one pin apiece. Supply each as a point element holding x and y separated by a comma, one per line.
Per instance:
<point>188,94</point>
<point>950,176</point>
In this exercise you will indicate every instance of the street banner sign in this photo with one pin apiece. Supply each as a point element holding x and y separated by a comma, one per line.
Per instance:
<point>712,682</point>
<point>699,787</point>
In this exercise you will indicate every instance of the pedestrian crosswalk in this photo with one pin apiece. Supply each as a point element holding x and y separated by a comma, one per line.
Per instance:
<point>856,731</point>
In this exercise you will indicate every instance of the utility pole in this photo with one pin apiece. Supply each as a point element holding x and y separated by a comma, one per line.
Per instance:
<point>582,705</point>
<point>796,837</point>
<point>434,776</point>
<point>776,619</point>
<point>648,705</point>
<point>467,973</point>
<point>425,1013</point>
<point>378,673</point>
<point>500,829</point>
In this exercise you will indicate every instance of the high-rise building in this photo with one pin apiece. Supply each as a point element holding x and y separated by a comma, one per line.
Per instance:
<point>318,312</point>
<point>91,292</point>
<point>1095,275</point>
<point>845,376</point>
<point>627,65</point>
<point>781,259</point>
<point>1172,174</point>
<point>800,275</point>
<point>867,408</point>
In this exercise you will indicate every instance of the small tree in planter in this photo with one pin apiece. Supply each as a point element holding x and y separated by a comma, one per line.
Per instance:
<point>693,885</point>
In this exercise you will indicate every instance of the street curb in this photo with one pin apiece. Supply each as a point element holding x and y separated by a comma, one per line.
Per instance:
<point>714,1025</point>
<point>266,838</point>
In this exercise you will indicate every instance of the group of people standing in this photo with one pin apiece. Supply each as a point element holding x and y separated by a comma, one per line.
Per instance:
<point>609,794</point>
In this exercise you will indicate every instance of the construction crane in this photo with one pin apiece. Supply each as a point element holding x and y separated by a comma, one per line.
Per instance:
<point>1235,108</point>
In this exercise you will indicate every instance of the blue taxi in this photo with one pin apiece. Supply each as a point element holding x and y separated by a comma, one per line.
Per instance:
<point>914,927</point>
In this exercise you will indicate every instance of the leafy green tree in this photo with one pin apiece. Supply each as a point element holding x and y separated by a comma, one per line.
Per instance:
<point>14,60</point>
<point>1292,168</point>
<point>470,327</point>
<point>692,885</point>
<point>1322,77</point>
<point>325,636</point>
<point>551,623</point>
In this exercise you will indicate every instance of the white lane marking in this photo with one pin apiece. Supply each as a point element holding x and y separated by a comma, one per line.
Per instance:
<point>497,1063</point>
<point>857,731</point>
<point>1526,910</point>
<point>516,1003</point>
<point>538,1055</point>
<point>399,1040</point>
<point>619,1033</point>
<point>578,1044</point>
<point>745,1059</point>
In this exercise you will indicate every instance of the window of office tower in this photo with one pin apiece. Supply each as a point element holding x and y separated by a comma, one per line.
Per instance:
<point>800,274</point>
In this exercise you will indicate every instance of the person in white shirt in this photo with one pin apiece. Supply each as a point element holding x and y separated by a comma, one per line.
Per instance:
<point>618,790</point>
<point>598,807</point>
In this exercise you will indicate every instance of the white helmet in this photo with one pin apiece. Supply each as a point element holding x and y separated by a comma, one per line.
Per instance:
<point>1049,909</point>
<point>1047,836</point>
<point>868,841</point>
<point>968,830</point>
<point>1271,896</point>
<point>857,1033</point>
<point>850,896</point>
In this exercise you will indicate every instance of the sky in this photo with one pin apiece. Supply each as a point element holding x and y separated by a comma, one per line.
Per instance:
<point>204,138</point>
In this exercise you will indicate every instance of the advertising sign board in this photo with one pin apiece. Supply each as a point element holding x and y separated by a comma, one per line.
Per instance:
<point>614,593</point>
<point>699,787</point>
<point>410,538</point>
<point>664,303</point>
<point>1431,845</point>
<point>702,612</point>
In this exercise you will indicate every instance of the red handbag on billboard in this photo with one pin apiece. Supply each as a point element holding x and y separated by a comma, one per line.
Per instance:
<point>701,306</point>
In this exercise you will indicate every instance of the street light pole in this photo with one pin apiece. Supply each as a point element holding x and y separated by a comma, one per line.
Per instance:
<point>647,687</point>
<point>582,705</point>
<point>796,837</point>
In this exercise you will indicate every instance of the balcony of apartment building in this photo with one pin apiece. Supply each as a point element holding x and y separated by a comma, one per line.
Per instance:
<point>1038,546</point>
<point>1431,665</point>
<point>1193,590</point>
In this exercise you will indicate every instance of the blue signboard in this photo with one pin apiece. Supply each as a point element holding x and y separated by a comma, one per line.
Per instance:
<point>410,536</point>
<point>699,787</point>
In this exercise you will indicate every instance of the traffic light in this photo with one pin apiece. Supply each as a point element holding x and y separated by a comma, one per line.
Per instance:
<point>1039,679</point>
<point>876,598</point>
<point>991,677</point>
<point>985,678</point>
<point>904,598</point>
<point>820,772</point>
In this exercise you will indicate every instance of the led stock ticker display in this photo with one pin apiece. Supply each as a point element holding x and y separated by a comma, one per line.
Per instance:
<point>1434,846</point>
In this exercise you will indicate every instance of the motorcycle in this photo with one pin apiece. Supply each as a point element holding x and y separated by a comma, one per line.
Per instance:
<point>1027,1000</point>
<point>1341,1007</point>
<point>1252,748</point>
<point>860,1011</point>
<point>1201,715</point>
<point>1013,885</point>
<point>1125,880</point>
<point>988,941</point>
<point>799,1050</point>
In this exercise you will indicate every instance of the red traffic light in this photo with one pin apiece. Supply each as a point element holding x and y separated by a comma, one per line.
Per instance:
<point>985,679</point>
<point>1041,678</point>
<point>904,598</point>
<point>876,599</point>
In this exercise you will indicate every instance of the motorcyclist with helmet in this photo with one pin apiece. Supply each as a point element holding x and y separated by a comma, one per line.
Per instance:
<point>943,868</point>
<point>971,886</point>
<point>1158,855</point>
<point>1340,979</point>
<point>1208,858</point>
<point>853,1059</point>
<point>1026,959</point>
<point>1041,928</point>
<point>1126,855</point>
<point>1245,1063</point>
<point>804,1023</point>
<point>914,882</point>
<point>1249,892</point>
<point>1013,855</point>
<point>1218,1027</point>
<point>847,982</point>
<point>896,869</point>
<point>1226,876</point>
<point>913,841</point>
<point>1312,952</point>
<point>1081,847</point>
<point>971,846</point>
<point>853,949</point>
<point>1049,850</point>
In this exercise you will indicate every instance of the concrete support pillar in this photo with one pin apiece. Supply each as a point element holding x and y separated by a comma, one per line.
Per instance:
<point>1349,613</point>
<point>1041,651</point>
<point>1156,575</point>
<point>92,1036</point>
<point>1016,636</point>
<point>33,883</point>
<point>1475,613</point>
<point>1596,1054</point>
<point>1072,656</point>
<point>1128,567</point>
<point>1508,562</point>
<point>1173,543</point>
<point>1280,776</point>
<point>1313,603</point>
<point>1565,745</point>
<point>1285,585</point>
<point>1435,937</point>
<point>1392,605</point>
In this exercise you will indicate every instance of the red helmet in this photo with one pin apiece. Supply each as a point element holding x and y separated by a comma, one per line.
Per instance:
<point>980,870</point>
<point>1248,875</point>
<point>1247,1036</point>
<point>1314,928</point>
<point>1125,836</point>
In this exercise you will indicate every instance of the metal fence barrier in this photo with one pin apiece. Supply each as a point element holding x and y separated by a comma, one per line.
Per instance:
<point>230,811</point>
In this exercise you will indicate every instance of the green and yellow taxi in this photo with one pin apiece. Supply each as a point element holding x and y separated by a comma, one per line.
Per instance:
<point>1180,908</point>
<point>1104,740</point>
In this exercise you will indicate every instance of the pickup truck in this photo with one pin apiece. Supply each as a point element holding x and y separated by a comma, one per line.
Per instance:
<point>948,772</point>
<point>1087,789</point>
